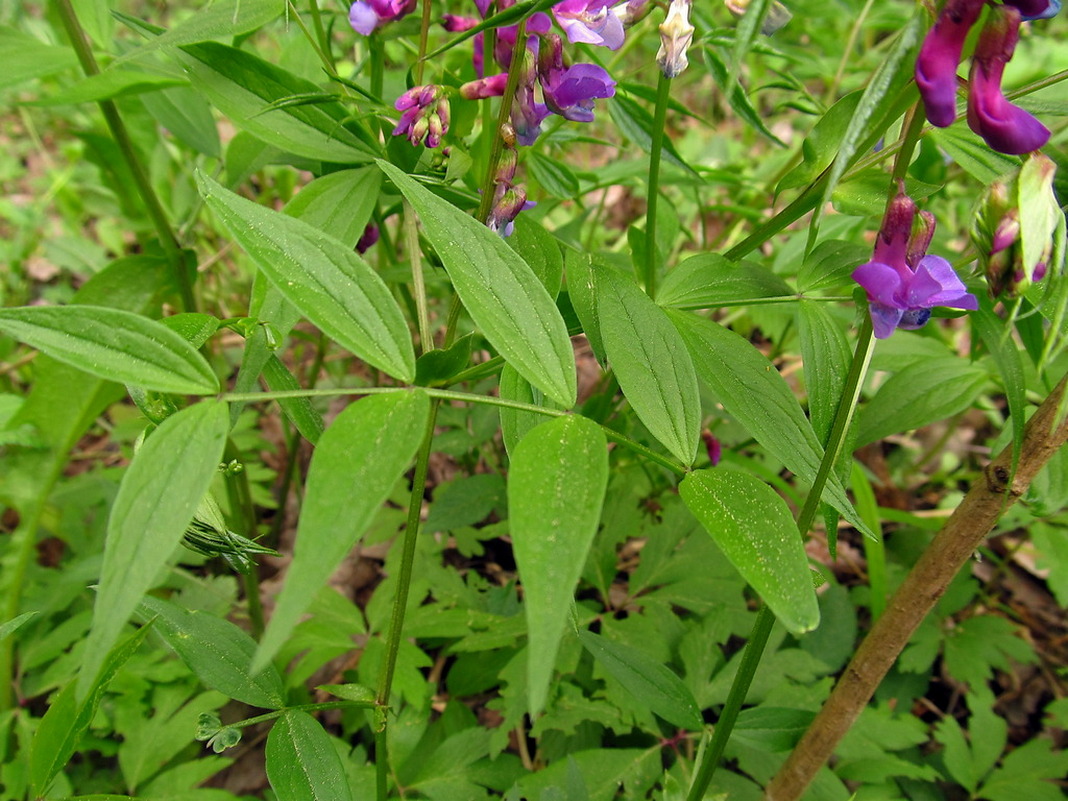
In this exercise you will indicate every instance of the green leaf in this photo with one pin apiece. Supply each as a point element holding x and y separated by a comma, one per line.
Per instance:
<point>108,84</point>
<point>158,495</point>
<point>113,344</point>
<point>822,143</point>
<point>771,728</point>
<point>554,175</point>
<point>972,154</point>
<point>499,290</point>
<point>881,90</point>
<point>709,279</point>
<point>583,289</point>
<point>302,763</point>
<point>751,389</point>
<point>515,423</point>
<point>187,116</point>
<point>556,488</point>
<point>825,354</point>
<point>997,337</point>
<point>67,719</point>
<point>753,527</point>
<point>956,754</point>
<point>332,286</point>
<point>357,462</point>
<point>339,204</point>
<point>650,360</point>
<point>540,250</point>
<point>16,623</point>
<point>244,87</point>
<point>25,57</point>
<point>221,19</point>
<point>831,264</point>
<point>356,693</point>
<point>217,651</point>
<point>652,684</point>
<point>635,123</point>
<point>300,411</point>
<point>926,391</point>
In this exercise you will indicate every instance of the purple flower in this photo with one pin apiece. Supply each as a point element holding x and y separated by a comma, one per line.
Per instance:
<point>902,284</point>
<point>502,53</point>
<point>425,115</point>
<point>368,238</point>
<point>1007,128</point>
<point>1036,9</point>
<point>367,15</point>
<point>527,113</point>
<point>493,86</point>
<point>590,22</point>
<point>454,23</point>
<point>570,91</point>
<point>936,66</point>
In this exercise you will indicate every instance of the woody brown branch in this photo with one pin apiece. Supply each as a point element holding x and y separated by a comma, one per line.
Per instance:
<point>989,498</point>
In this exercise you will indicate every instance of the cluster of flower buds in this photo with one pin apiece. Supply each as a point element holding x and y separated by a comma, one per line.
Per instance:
<point>1011,257</point>
<point>902,282</point>
<point>425,115</point>
<point>509,198</point>
<point>1007,128</point>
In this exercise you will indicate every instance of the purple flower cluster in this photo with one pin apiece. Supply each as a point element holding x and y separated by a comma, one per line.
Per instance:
<point>1007,128</point>
<point>425,115</point>
<point>903,283</point>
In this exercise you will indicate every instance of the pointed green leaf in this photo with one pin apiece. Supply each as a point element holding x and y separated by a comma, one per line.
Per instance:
<point>753,527</point>
<point>13,625</point>
<point>162,487</point>
<point>515,423</point>
<point>751,389</point>
<point>67,719</point>
<point>25,57</point>
<point>218,20</point>
<point>652,684</point>
<point>327,281</point>
<point>244,87</point>
<point>499,290</point>
<point>340,203</point>
<point>927,391</point>
<point>302,763</point>
<point>826,357</point>
<point>712,280</point>
<point>356,463</point>
<point>650,360</point>
<point>217,651</point>
<point>556,487</point>
<point>113,344</point>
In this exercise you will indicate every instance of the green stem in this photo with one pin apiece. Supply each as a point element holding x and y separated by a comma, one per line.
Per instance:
<point>167,239</point>
<point>758,639</point>
<point>400,600</point>
<point>874,550</point>
<point>415,258</point>
<point>243,515</point>
<point>489,181</point>
<point>377,56</point>
<point>424,35</point>
<point>463,397</point>
<point>663,92</point>
<point>320,34</point>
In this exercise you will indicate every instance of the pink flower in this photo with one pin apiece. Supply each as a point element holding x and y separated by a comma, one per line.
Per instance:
<point>367,15</point>
<point>1007,128</point>
<point>590,22</point>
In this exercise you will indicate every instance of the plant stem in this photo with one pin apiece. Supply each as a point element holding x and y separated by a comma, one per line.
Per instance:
<point>424,35</point>
<point>489,181</point>
<point>663,92</point>
<point>415,258</point>
<point>320,34</point>
<point>463,397</point>
<point>243,514</point>
<point>167,239</point>
<point>377,56</point>
<point>400,600</point>
<point>758,638</point>
<point>988,499</point>
<point>874,550</point>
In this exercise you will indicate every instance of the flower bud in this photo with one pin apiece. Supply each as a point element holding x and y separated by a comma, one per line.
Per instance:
<point>676,33</point>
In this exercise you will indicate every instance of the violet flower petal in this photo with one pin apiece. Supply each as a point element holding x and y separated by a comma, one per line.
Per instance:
<point>936,66</point>
<point>882,283</point>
